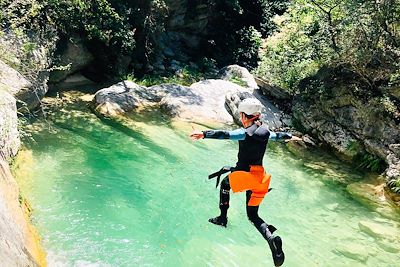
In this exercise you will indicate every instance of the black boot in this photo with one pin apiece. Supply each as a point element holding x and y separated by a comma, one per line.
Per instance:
<point>275,244</point>
<point>219,221</point>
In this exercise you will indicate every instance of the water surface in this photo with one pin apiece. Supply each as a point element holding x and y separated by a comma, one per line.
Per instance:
<point>107,196</point>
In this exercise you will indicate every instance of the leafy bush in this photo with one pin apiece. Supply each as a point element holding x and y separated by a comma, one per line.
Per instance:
<point>313,33</point>
<point>235,31</point>
<point>371,162</point>
<point>24,44</point>
<point>107,26</point>
<point>248,45</point>
<point>185,76</point>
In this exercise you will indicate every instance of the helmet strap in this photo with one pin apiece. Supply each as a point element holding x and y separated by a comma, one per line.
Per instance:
<point>247,121</point>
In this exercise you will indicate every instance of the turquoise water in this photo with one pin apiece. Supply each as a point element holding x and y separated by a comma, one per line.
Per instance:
<point>108,196</point>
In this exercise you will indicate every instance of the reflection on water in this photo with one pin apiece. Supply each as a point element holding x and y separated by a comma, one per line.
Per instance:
<point>106,196</point>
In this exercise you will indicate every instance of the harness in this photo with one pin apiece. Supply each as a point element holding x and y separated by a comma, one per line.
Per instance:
<point>218,174</point>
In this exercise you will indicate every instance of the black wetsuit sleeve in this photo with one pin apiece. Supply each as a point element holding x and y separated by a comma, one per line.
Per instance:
<point>238,134</point>
<point>216,134</point>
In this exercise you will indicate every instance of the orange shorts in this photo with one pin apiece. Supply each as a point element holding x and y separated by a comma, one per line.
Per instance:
<point>257,180</point>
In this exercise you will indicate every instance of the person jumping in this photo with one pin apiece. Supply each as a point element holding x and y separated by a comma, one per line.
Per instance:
<point>248,174</point>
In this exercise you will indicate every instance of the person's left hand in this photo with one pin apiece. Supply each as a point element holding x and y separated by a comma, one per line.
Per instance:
<point>196,135</point>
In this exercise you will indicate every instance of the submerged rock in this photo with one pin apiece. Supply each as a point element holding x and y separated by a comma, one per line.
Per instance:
<point>353,251</point>
<point>11,80</point>
<point>373,196</point>
<point>380,230</point>
<point>389,247</point>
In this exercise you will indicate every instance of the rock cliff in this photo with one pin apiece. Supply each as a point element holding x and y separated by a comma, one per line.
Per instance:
<point>18,242</point>
<point>344,111</point>
<point>19,245</point>
<point>186,29</point>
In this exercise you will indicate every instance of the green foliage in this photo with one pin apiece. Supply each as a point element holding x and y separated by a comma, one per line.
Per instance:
<point>371,162</point>
<point>238,81</point>
<point>353,146</point>
<point>97,20</point>
<point>248,45</point>
<point>313,33</point>
<point>236,29</point>
<point>287,59</point>
<point>107,26</point>
<point>186,76</point>
<point>388,105</point>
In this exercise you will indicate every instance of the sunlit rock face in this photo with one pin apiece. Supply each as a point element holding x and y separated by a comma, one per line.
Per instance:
<point>9,136</point>
<point>338,108</point>
<point>17,244</point>
<point>14,248</point>
<point>208,100</point>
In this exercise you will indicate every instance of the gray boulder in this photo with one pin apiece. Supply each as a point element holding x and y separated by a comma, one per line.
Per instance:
<point>273,91</point>
<point>123,97</point>
<point>11,80</point>
<point>208,100</point>
<point>201,101</point>
<point>237,72</point>
<point>271,115</point>
<point>28,93</point>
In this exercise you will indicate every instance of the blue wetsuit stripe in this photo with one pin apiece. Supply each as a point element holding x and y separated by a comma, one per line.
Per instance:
<point>239,134</point>
<point>279,136</point>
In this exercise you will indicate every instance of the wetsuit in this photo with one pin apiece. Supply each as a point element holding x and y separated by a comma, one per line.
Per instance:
<point>252,145</point>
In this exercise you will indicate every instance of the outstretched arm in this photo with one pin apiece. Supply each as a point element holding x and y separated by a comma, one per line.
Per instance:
<point>238,134</point>
<point>279,136</point>
<point>283,136</point>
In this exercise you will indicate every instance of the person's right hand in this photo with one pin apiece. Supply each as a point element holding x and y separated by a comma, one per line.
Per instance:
<point>196,135</point>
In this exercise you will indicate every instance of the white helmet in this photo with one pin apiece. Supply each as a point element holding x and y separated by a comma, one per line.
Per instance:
<point>250,106</point>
